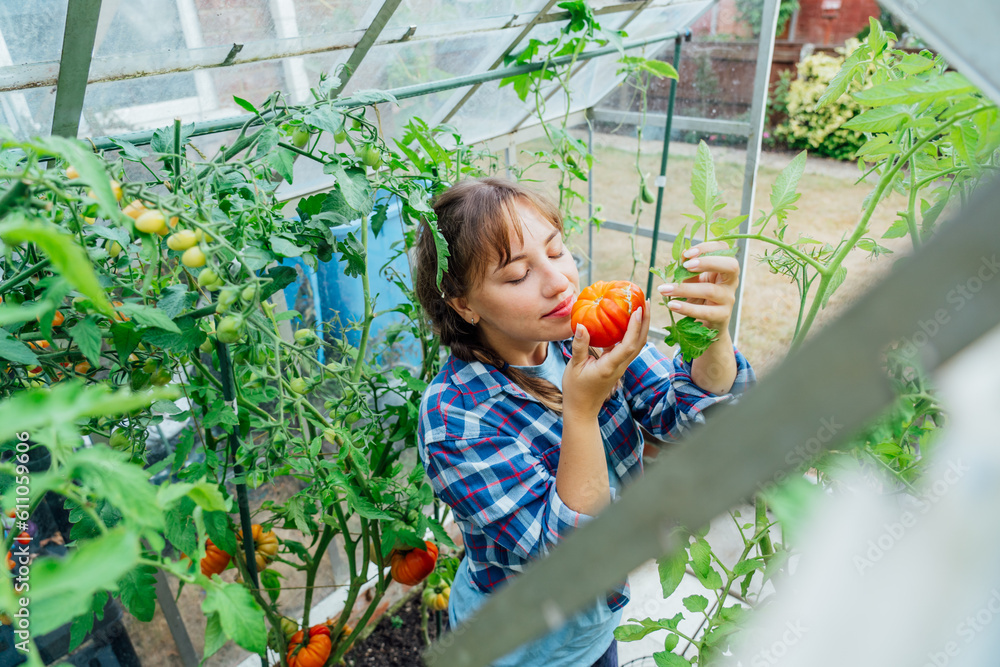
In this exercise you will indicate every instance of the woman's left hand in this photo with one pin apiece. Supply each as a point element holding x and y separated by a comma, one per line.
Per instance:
<point>710,294</point>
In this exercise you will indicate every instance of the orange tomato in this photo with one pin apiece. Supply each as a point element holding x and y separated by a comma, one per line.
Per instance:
<point>412,566</point>
<point>39,345</point>
<point>134,209</point>
<point>265,545</point>
<point>605,308</point>
<point>313,654</point>
<point>215,561</point>
<point>121,317</point>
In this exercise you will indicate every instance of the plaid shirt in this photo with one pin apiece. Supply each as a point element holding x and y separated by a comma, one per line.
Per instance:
<point>491,452</point>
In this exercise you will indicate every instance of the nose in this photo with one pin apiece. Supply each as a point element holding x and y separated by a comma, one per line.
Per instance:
<point>555,280</point>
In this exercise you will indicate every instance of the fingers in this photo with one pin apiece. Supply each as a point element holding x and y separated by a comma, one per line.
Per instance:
<point>635,338</point>
<point>714,316</point>
<point>727,269</point>
<point>706,291</point>
<point>581,344</point>
<point>702,248</point>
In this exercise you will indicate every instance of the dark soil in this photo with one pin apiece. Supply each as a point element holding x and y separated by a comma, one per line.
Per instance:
<point>392,646</point>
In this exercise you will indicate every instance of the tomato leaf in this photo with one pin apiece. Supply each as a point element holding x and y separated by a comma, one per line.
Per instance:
<point>62,588</point>
<point>149,316</point>
<point>671,570</point>
<point>138,592</point>
<point>665,659</point>
<point>704,187</point>
<point>695,603</point>
<point>282,161</point>
<point>87,335</point>
<point>691,336</point>
<point>14,350</point>
<point>67,257</point>
<point>783,192</point>
<point>245,104</point>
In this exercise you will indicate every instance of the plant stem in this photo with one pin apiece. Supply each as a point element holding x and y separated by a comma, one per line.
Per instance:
<point>16,280</point>
<point>366,290</point>
<point>790,249</point>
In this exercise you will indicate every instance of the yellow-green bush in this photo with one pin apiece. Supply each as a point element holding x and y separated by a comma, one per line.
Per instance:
<point>819,129</point>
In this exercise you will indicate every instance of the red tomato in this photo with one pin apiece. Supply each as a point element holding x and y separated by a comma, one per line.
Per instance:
<point>312,654</point>
<point>605,308</point>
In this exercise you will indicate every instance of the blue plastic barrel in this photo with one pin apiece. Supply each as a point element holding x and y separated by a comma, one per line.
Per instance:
<point>329,299</point>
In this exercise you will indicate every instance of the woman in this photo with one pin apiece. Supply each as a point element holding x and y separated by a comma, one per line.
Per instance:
<point>526,432</point>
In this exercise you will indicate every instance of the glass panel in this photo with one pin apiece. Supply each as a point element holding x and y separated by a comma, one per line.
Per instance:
<point>28,112</point>
<point>149,26</point>
<point>224,22</point>
<point>423,12</point>
<point>32,31</point>
<point>408,63</point>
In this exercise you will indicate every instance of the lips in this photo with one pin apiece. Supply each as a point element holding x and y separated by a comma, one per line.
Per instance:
<point>564,309</point>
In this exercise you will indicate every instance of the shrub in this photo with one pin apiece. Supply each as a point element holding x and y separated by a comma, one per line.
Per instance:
<point>820,129</point>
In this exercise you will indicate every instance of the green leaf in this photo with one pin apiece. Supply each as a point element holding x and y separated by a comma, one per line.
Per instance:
<point>964,139</point>
<point>784,191</point>
<point>217,527</point>
<point>62,588</point>
<point>836,281</point>
<point>353,253</point>
<point>695,603</point>
<point>880,119</point>
<point>354,185</point>
<point>671,570</point>
<point>678,246</point>
<point>670,643</point>
<point>659,68</point>
<point>149,316</point>
<point>215,638</point>
<point>79,629</point>
<point>704,187</point>
<point>132,152</point>
<point>285,247</point>
<point>701,557</point>
<point>440,534</point>
<point>379,216</point>
<point>246,105</point>
<point>842,80</point>
<point>915,63</point>
<point>174,300</point>
<point>267,139</point>
<point>138,592</point>
<point>282,161</point>
<point>877,40</point>
<point>628,632</point>
<point>325,119</point>
<point>92,170</point>
<point>14,350</point>
<point>67,257</point>
<point>880,144</point>
<point>239,615</point>
<point>691,336</point>
<point>747,566</point>
<point>87,335</point>
<point>23,313</point>
<point>665,659</point>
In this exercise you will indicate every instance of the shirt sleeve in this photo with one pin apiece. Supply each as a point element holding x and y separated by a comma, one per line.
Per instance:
<point>664,398</point>
<point>500,487</point>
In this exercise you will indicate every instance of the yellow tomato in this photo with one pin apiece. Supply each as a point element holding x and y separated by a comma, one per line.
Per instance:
<point>151,222</point>
<point>193,257</point>
<point>182,240</point>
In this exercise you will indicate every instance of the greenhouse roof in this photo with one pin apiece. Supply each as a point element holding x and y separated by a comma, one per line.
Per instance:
<point>154,60</point>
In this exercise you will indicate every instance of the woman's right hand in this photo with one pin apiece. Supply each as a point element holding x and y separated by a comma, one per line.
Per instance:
<point>588,381</point>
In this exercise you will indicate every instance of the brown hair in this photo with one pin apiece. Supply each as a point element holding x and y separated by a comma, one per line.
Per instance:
<point>474,216</point>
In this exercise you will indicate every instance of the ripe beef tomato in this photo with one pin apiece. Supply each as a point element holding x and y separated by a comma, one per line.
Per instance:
<point>313,654</point>
<point>605,308</point>
<point>411,567</point>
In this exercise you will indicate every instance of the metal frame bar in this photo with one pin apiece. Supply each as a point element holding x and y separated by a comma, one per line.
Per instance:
<point>406,92</point>
<point>684,123</point>
<point>82,17</point>
<point>499,61</point>
<point>132,66</point>
<point>367,41</point>
<point>724,462</point>
<point>175,622</point>
<point>661,182</point>
<point>758,113</point>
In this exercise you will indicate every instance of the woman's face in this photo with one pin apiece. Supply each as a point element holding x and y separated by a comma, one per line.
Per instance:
<point>522,305</point>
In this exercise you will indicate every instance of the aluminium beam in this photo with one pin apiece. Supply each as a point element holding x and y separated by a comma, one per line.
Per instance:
<point>366,42</point>
<point>733,128</point>
<point>758,114</point>
<point>757,442</point>
<point>79,34</point>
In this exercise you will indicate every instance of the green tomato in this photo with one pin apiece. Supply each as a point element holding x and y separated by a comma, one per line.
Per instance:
<point>300,137</point>
<point>356,124</point>
<point>119,440</point>
<point>249,293</point>
<point>209,280</point>
<point>162,377</point>
<point>299,386</point>
<point>370,155</point>
<point>207,346</point>
<point>340,136</point>
<point>304,336</point>
<point>352,418</point>
<point>227,298</point>
<point>229,330</point>
<point>149,367</point>
<point>646,194</point>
